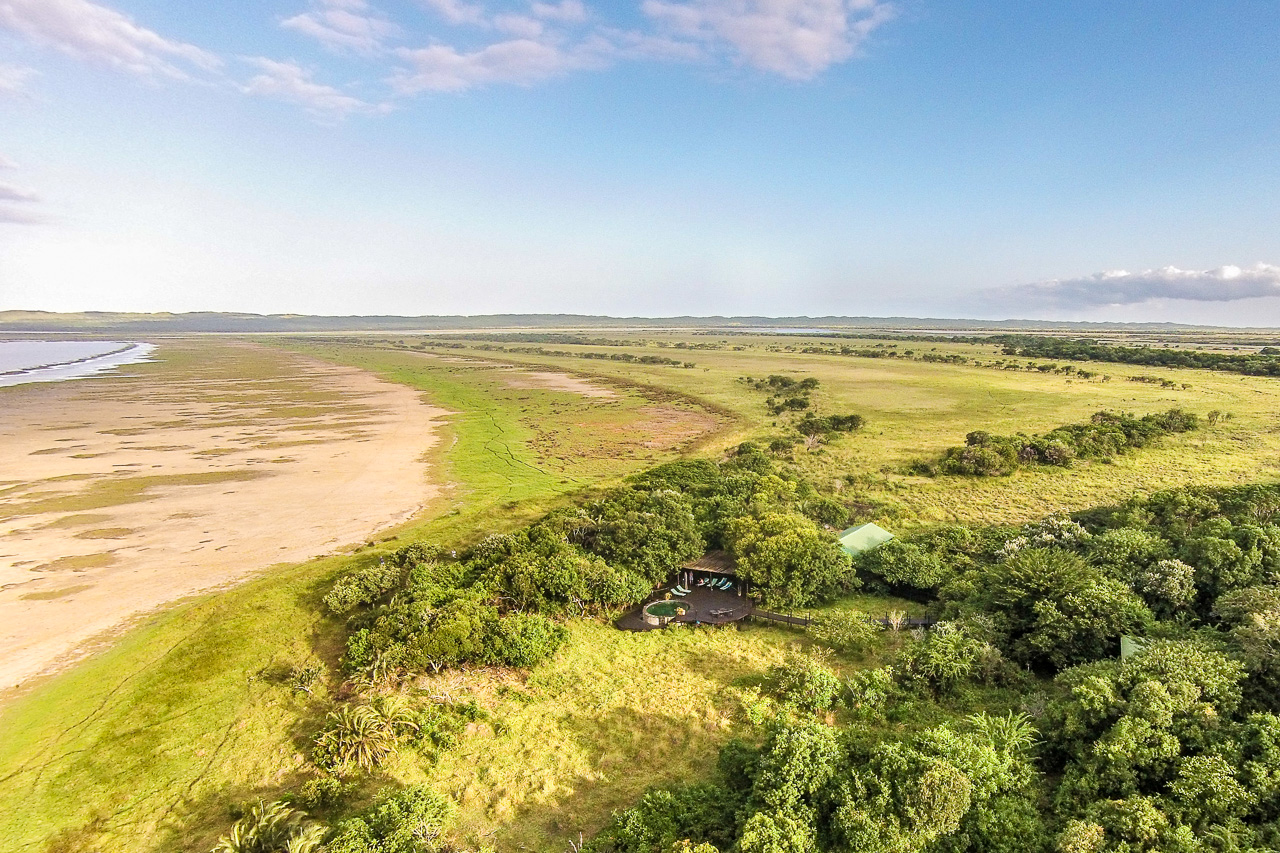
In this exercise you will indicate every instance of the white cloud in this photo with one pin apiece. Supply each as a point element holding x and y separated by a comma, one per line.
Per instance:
<point>288,81</point>
<point>96,33</point>
<point>17,216</point>
<point>12,193</point>
<point>794,38</point>
<point>6,163</point>
<point>523,61</point>
<point>344,25</point>
<point>520,26</point>
<point>457,11</point>
<point>1119,287</point>
<point>567,11</point>
<point>15,203</point>
<point>13,79</point>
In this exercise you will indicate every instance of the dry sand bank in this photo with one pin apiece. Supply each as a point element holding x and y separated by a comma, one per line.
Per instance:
<point>120,494</point>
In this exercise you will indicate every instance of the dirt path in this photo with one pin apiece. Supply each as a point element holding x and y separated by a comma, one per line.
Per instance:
<point>120,494</point>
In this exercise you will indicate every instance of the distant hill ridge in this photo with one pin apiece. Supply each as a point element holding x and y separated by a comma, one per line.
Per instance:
<point>225,322</point>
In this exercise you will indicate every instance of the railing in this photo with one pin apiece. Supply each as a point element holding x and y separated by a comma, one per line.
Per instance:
<point>805,621</point>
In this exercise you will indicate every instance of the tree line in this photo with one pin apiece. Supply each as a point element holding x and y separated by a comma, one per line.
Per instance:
<point>1104,436</point>
<point>1265,362</point>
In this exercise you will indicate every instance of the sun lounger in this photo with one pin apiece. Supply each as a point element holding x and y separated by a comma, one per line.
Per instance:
<point>679,590</point>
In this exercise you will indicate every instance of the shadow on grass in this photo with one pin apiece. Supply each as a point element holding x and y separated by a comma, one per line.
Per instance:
<point>630,752</point>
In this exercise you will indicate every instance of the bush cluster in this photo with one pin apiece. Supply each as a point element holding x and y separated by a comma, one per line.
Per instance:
<point>1106,435</point>
<point>1175,747</point>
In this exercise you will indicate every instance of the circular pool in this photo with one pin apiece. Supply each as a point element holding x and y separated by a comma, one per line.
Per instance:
<point>662,612</point>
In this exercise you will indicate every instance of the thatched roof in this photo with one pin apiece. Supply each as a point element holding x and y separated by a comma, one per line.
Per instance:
<point>713,561</point>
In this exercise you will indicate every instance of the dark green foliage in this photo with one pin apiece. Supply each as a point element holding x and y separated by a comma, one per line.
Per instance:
<point>806,683</point>
<point>1253,618</point>
<point>363,586</point>
<point>903,564</point>
<point>691,476</point>
<point>415,637</point>
<point>544,572</point>
<point>946,658</point>
<point>785,394</point>
<point>1007,823</point>
<point>795,765</point>
<point>370,583</point>
<point>1052,609</point>
<point>662,818</point>
<point>1165,750</point>
<point>410,821</point>
<point>1127,728</point>
<point>647,532</point>
<point>869,691</point>
<point>824,510</point>
<point>788,560</point>
<point>813,425</point>
<point>1106,435</point>
<point>1262,364</point>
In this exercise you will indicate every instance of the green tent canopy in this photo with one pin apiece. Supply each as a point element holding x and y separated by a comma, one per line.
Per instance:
<point>864,537</point>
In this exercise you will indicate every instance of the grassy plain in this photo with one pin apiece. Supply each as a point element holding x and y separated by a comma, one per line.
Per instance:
<point>147,746</point>
<point>916,409</point>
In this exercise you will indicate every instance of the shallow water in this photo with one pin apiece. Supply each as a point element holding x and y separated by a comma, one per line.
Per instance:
<point>56,361</point>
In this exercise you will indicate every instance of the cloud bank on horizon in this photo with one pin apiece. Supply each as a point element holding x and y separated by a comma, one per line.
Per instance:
<point>1121,288</point>
<point>457,45</point>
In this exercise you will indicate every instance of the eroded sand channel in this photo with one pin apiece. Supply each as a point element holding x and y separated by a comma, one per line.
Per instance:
<point>120,494</point>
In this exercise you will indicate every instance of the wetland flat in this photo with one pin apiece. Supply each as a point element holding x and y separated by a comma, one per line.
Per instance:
<point>121,494</point>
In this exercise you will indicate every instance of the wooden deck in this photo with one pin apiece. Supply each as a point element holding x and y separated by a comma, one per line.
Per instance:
<point>705,607</point>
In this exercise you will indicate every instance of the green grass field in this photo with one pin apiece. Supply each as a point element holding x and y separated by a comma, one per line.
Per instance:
<point>916,409</point>
<point>149,744</point>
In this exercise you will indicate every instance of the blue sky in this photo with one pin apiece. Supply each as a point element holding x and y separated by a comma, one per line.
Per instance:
<point>643,157</point>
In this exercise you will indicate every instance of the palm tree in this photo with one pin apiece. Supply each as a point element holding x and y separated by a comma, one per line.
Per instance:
<point>272,828</point>
<point>357,735</point>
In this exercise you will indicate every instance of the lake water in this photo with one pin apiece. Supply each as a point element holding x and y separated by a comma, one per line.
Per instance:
<point>56,361</point>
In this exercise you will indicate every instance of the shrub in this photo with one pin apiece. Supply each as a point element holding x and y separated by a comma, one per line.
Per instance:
<point>806,683</point>
<point>902,563</point>
<point>868,691</point>
<point>365,585</point>
<point>943,660</point>
<point>844,631</point>
<point>410,821</point>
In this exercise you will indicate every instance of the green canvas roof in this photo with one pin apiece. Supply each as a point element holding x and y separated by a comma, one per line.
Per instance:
<point>864,537</point>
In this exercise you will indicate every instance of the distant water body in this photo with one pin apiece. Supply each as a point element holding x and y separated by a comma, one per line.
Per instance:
<point>56,361</point>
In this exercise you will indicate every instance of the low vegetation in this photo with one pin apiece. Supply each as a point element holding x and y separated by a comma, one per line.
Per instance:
<point>1105,436</point>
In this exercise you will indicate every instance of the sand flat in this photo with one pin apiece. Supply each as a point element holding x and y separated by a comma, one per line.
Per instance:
<point>550,380</point>
<point>221,459</point>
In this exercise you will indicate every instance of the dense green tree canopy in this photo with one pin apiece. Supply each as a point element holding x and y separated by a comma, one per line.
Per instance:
<point>788,560</point>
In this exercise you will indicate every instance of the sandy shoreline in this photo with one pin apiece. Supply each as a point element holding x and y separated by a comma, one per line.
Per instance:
<point>120,494</point>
